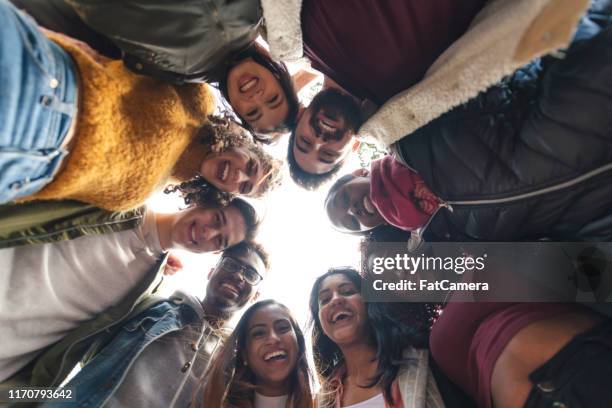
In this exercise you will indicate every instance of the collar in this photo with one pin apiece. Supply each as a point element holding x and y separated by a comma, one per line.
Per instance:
<point>284,29</point>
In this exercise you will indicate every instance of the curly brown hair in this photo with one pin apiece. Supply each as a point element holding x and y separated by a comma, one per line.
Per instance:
<point>221,134</point>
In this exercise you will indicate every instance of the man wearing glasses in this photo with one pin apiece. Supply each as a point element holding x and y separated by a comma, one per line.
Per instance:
<point>158,357</point>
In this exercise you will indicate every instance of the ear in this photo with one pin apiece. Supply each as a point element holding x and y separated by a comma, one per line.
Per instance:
<point>254,297</point>
<point>356,144</point>
<point>361,172</point>
<point>210,273</point>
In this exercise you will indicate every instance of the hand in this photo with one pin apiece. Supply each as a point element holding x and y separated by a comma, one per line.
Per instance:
<point>173,265</point>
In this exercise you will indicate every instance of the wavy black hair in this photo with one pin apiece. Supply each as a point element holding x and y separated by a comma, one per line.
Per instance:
<point>389,334</point>
<point>281,73</point>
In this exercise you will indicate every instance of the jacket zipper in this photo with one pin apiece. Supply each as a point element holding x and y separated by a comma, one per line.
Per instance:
<point>449,204</point>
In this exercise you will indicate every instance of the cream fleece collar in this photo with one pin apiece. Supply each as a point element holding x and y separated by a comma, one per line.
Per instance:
<point>284,29</point>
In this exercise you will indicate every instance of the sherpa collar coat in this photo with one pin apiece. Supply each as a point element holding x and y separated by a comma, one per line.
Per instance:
<point>504,36</point>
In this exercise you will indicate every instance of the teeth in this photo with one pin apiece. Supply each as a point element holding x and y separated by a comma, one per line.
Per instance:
<point>326,126</point>
<point>248,85</point>
<point>339,315</point>
<point>368,205</point>
<point>224,172</point>
<point>278,353</point>
<point>193,233</point>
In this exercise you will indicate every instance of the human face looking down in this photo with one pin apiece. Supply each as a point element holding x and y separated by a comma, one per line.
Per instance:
<point>237,170</point>
<point>325,130</point>
<point>228,288</point>
<point>342,312</point>
<point>257,96</point>
<point>350,207</point>
<point>271,349</point>
<point>199,229</point>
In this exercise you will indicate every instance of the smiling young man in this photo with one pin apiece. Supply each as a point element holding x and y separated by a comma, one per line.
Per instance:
<point>55,289</point>
<point>159,356</point>
<point>323,137</point>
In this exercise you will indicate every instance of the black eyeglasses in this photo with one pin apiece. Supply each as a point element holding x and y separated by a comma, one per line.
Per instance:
<point>231,265</point>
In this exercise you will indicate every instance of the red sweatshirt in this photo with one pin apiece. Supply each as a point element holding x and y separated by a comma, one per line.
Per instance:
<point>400,195</point>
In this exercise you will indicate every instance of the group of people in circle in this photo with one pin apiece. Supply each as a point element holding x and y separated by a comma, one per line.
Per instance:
<point>495,120</point>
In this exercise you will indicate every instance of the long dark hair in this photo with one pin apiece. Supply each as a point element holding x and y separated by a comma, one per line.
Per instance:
<point>231,383</point>
<point>388,334</point>
<point>281,73</point>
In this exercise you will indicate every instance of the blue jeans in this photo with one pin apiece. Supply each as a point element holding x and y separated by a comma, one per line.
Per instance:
<point>38,93</point>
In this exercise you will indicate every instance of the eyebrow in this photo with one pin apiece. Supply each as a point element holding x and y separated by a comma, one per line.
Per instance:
<point>322,160</point>
<point>300,148</point>
<point>223,218</point>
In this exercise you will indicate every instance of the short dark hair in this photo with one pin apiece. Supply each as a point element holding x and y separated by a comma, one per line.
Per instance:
<point>250,246</point>
<point>302,178</point>
<point>281,73</point>
<point>251,219</point>
<point>337,184</point>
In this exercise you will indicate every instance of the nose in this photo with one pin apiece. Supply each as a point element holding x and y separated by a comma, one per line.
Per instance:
<point>208,233</point>
<point>238,277</point>
<point>336,299</point>
<point>273,337</point>
<point>257,95</point>
<point>241,176</point>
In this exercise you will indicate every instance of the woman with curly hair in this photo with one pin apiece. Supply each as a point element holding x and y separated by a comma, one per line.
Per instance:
<point>76,125</point>
<point>362,352</point>
<point>262,364</point>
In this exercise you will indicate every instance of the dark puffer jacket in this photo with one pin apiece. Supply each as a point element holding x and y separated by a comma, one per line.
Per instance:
<point>530,158</point>
<point>176,41</point>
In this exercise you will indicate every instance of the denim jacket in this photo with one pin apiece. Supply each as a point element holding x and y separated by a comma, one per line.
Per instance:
<point>144,361</point>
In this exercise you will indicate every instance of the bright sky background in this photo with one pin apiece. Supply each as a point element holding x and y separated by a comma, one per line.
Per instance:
<point>295,231</point>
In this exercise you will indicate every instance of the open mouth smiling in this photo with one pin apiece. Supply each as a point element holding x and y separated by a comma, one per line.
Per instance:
<point>231,288</point>
<point>223,171</point>
<point>277,355</point>
<point>340,316</point>
<point>247,82</point>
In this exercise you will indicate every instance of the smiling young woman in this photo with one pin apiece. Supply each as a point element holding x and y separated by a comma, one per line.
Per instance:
<point>261,93</point>
<point>359,348</point>
<point>225,156</point>
<point>262,364</point>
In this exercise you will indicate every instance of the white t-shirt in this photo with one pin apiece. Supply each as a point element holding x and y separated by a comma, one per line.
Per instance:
<point>261,401</point>
<point>377,401</point>
<point>50,289</point>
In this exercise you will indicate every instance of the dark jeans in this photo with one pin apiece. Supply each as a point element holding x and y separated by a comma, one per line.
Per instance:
<point>580,375</point>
